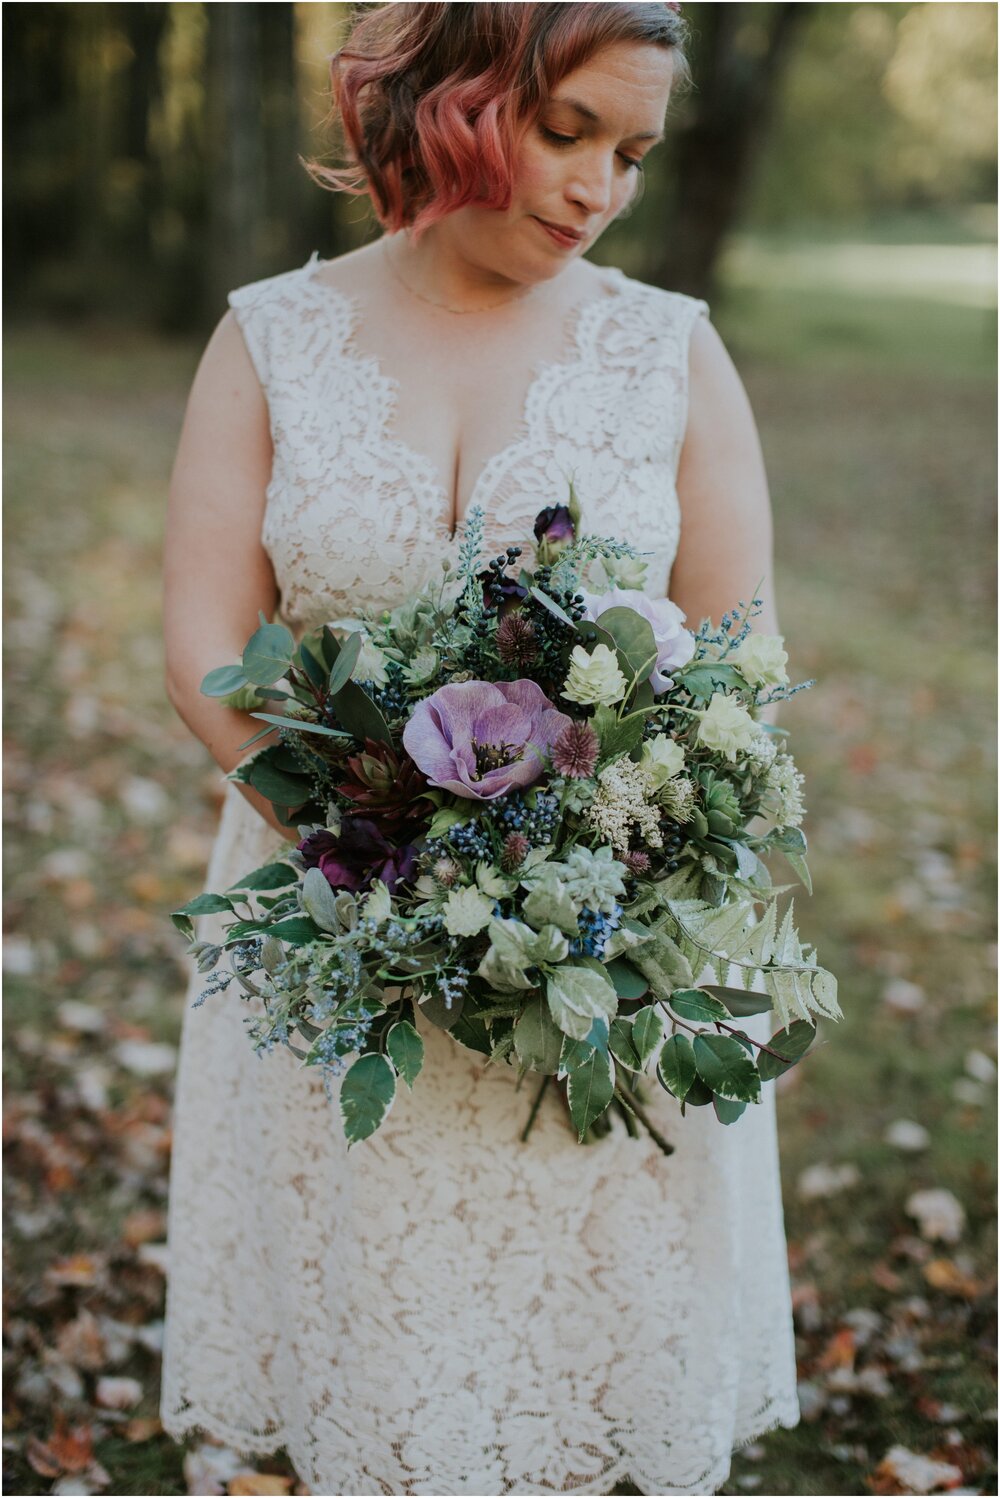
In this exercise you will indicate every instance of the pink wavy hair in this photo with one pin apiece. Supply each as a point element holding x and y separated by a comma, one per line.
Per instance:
<point>431,98</point>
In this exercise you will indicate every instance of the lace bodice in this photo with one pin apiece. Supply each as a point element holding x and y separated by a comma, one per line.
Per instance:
<point>357,518</point>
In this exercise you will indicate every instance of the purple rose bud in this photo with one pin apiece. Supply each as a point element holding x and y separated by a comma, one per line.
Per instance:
<point>554,530</point>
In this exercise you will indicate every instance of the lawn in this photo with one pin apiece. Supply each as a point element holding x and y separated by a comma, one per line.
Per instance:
<point>876,409</point>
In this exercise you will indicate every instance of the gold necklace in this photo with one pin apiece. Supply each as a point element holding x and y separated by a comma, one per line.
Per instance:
<point>443,306</point>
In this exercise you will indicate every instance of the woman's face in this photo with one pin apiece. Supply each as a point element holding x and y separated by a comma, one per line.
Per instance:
<point>578,166</point>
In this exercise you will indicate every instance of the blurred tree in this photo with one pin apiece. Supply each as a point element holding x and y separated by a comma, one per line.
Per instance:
<point>236,151</point>
<point>739,53</point>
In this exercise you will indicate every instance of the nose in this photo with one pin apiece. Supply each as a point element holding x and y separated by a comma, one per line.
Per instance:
<point>591,184</point>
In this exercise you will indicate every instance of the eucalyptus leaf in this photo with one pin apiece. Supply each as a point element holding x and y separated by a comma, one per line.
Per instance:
<point>223,681</point>
<point>301,725</point>
<point>633,635</point>
<point>268,654</point>
<point>345,662</point>
<point>366,1094</point>
<point>318,900</point>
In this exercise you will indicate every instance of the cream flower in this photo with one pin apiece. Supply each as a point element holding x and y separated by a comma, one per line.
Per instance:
<point>467,912</point>
<point>662,758</point>
<point>726,726</point>
<point>594,678</point>
<point>370,664</point>
<point>762,660</point>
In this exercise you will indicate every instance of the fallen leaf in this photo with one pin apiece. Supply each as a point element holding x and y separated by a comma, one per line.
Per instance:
<point>80,1342</point>
<point>118,1393</point>
<point>820,1181</point>
<point>78,1270</point>
<point>946,1276</point>
<point>904,1134</point>
<point>141,1428</point>
<point>938,1214</point>
<point>143,1226</point>
<point>904,1471</point>
<point>839,1352</point>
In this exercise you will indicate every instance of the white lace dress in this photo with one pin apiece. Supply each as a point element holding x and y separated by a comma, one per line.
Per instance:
<point>446,1310</point>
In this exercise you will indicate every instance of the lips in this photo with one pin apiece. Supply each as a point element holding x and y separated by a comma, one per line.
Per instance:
<point>562,234</point>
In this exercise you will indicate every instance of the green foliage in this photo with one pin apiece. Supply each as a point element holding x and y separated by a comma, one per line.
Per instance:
<point>405,1046</point>
<point>366,1094</point>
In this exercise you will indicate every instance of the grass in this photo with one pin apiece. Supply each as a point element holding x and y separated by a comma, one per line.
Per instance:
<point>876,408</point>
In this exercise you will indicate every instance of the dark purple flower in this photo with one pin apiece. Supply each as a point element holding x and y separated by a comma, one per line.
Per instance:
<point>357,856</point>
<point>554,529</point>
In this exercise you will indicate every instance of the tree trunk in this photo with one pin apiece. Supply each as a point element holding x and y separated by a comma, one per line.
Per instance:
<point>737,72</point>
<point>236,151</point>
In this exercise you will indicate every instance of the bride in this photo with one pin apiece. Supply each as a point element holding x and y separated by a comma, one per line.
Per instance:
<point>446,1310</point>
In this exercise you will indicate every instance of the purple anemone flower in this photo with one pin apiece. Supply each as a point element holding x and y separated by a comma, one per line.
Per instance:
<point>481,739</point>
<point>357,856</point>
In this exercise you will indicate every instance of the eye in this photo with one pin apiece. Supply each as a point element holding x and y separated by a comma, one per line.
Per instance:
<point>562,141</point>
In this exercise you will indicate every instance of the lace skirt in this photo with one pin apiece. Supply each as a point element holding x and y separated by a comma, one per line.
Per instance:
<point>447,1310</point>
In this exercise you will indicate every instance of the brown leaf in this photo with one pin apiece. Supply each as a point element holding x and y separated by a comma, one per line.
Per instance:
<point>72,1449</point>
<point>142,1428</point>
<point>839,1351</point>
<point>80,1342</point>
<point>945,1275</point>
<point>263,1484</point>
<point>41,1458</point>
<point>143,1226</point>
<point>886,1278</point>
<point>78,1271</point>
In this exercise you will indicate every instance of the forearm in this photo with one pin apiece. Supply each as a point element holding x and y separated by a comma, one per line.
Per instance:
<point>222,730</point>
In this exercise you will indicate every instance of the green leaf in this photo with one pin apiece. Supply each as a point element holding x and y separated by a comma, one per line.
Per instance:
<point>800,868</point>
<point>574,1053</point>
<point>598,1034</point>
<point>538,1039</point>
<point>724,1066</point>
<point>617,737</point>
<point>552,606</point>
<point>675,1067</point>
<point>301,725</point>
<point>311,666</point>
<point>319,901</point>
<point>576,996</point>
<point>297,930</point>
<point>183,925</point>
<point>438,1012</point>
<point>406,1050</point>
<point>696,1004</point>
<point>629,983</point>
<point>726,1110</point>
<point>268,654</point>
<point>269,876</point>
<point>223,680</point>
<point>471,1031</point>
<point>740,1001</point>
<point>702,679</point>
<point>793,1043</point>
<point>366,1094</point>
<point>345,662</point>
<point>647,1032</point>
<point>549,904</point>
<point>275,785</point>
<point>205,905</point>
<point>622,1046</point>
<point>591,1087</point>
<point>633,635</point>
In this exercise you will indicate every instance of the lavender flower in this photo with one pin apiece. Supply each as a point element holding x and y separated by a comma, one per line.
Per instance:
<point>480,739</point>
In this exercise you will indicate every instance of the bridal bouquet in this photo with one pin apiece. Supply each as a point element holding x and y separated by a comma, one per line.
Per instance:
<point>533,804</point>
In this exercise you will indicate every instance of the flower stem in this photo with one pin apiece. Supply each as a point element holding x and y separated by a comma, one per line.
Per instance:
<point>534,1108</point>
<point>631,1102</point>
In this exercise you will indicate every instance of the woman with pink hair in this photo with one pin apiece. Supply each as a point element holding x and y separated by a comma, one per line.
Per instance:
<point>447,1310</point>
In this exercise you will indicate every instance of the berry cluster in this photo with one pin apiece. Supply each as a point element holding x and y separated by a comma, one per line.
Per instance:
<point>673,843</point>
<point>496,585</point>
<point>392,700</point>
<point>469,839</point>
<point>538,823</point>
<point>595,930</point>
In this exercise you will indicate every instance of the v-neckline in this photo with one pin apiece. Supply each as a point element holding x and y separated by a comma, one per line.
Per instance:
<point>576,326</point>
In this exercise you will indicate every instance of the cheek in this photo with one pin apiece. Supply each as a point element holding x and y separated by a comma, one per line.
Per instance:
<point>535,171</point>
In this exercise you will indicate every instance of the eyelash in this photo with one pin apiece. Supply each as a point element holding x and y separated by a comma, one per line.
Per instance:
<point>571,140</point>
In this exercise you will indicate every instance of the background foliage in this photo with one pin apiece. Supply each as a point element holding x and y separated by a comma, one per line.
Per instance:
<point>853,280</point>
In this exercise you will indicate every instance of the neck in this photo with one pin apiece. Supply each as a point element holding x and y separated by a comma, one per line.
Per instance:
<point>434,270</point>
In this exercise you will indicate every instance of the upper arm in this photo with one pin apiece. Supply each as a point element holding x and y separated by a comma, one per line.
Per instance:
<point>726,550</point>
<point>216,571</point>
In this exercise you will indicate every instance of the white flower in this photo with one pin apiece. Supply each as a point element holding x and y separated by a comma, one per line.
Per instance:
<point>370,664</point>
<point>662,758</point>
<point>675,645</point>
<point>616,572</point>
<point>467,912</point>
<point>726,726</point>
<point>594,678</point>
<point>762,660</point>
<point>783,792</point>
<point>621,802</point>
<point>762,753</point>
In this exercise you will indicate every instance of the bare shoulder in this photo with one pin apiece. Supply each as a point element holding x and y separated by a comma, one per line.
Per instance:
<point>355,272</point>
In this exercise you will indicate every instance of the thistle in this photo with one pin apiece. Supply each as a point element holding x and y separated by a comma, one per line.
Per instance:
<point>575,751</point>
<point>515,850</point>
<point>516,642</point>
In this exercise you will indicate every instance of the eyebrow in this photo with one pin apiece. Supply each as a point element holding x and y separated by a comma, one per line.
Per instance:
<point>585,111</point>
